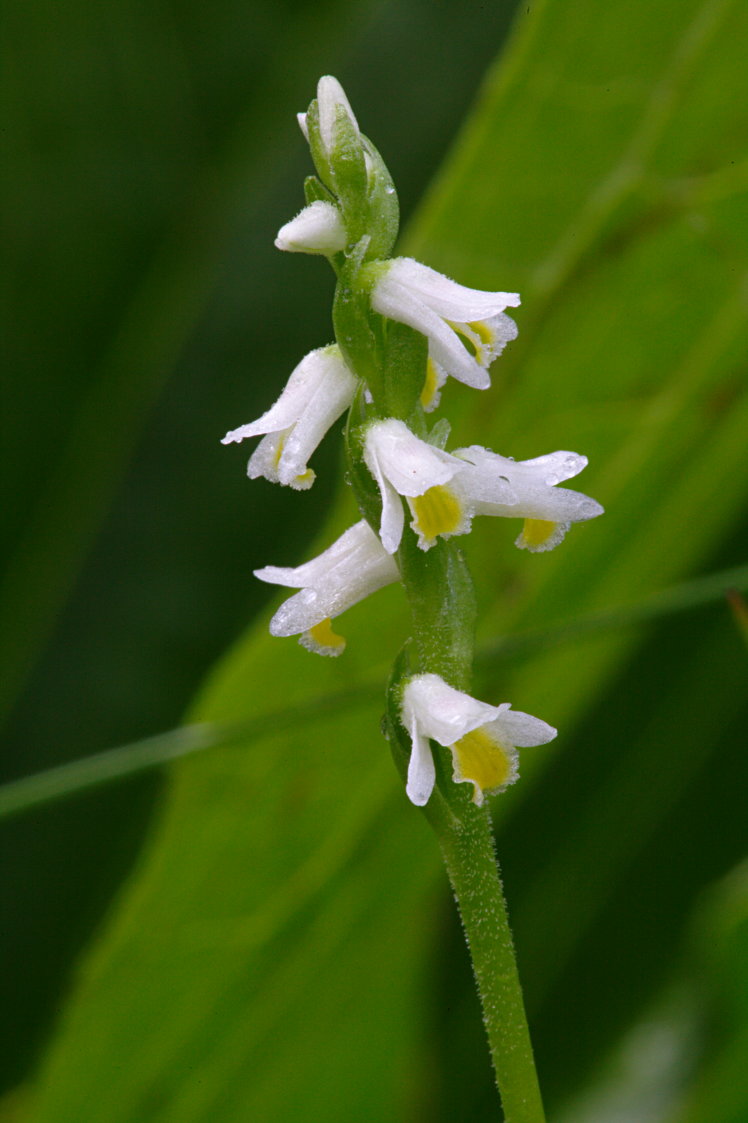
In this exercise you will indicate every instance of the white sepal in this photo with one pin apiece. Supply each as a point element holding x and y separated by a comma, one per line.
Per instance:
<point>349,570</point>
<point>449,299</point>
<point>442,712</point>
<point>402,464</point>
<point>496,485</point>
<point>318,228</point>
<point>449,315</point>
<point>318,391</point>
<point>421,770</point>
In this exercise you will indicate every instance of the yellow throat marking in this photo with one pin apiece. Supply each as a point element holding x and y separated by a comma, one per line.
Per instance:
<point>436,512</point>
<point>324,636</point>
<point>279,450</point>
<point>482,760</point>
<point>484,333</point>
<point>536,532</point>
<point>430,385</point>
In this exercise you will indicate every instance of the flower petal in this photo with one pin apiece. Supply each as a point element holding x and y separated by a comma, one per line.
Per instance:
<point>396,302</point>
<point>438,512</point>
<point>302,384</point>
<point>540,535</point>
<point>266,459</point>
<point>411,465</point>
<point>442,712</point>
<point>446,297</point>
<point>393,517</point>
<point>507,488</point>
<point>318,391</point>
<point>558,466</point>
<point>523,730</point>
<point>421,770</point>
<point>328,400</point>
<point>349,570</point>
<point>402,464</point>
<point>359,537</point>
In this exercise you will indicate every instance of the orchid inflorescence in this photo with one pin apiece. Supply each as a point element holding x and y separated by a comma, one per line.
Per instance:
<point>401,330</point>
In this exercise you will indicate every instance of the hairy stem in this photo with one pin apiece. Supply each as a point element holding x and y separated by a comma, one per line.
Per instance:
<point>467,846</point>
<point>442,602</point>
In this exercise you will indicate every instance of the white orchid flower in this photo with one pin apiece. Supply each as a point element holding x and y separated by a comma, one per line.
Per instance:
<point>403,464</point>
<point>318,228</point>
<point>318,391</point>
<point>349,570</point>
<point>491,484</point>
<point>445,491</point>
<point>483,739</point>
<point>466,328</point>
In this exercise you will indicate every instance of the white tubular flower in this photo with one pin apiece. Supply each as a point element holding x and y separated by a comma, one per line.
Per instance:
<point>402,464</point>
<point>318,391</point>
<point>466,328</point>
<point>318,228</point>
<point>482,739</point>
<point>496,485</point>
<point>344,574</point>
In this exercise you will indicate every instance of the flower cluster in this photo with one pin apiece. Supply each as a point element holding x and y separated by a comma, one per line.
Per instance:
<point>401,330</point>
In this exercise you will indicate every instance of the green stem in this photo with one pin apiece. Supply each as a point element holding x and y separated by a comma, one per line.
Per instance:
<point>467,846</point>
<point>441,595</point>
<point>443,607</point>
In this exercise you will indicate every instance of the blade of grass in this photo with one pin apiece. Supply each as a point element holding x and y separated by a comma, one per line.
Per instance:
<point>152,752</point>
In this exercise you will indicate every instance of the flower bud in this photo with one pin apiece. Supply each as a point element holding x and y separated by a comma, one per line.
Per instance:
<point>318,228</point>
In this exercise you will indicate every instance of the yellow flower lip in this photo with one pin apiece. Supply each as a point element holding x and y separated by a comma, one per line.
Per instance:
<point>437,511</point>
<point>321,639</point>
<point>483,331</point>
<point>537,533</point>
<point>484,761</point>
<point>432,385</point>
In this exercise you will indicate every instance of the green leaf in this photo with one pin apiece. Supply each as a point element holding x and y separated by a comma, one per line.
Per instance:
<point>684,1061</point>
<point>718,1091</point>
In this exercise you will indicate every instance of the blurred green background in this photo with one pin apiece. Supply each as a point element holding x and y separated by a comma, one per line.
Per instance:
<point>151,155</point>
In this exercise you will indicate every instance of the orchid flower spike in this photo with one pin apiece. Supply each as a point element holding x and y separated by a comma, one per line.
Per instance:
<point>466,328</point>
<point>349,570</point>
<point>318,391</point>
<point>483,739</point>
<point>318,228</point>
<point>403,464</point>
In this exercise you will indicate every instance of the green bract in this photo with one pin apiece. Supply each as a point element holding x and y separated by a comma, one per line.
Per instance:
<point>351,169</point>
